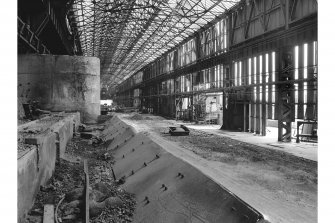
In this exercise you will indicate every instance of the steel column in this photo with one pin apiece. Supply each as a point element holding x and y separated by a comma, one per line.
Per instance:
<point>263,104</point>
<point>285,95</point>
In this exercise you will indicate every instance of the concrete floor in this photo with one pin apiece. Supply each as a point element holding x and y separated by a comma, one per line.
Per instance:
<point>290,202</point>
<point>306,150</point>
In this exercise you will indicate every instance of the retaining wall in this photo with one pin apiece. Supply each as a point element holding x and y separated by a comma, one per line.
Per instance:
<point>36,166</point>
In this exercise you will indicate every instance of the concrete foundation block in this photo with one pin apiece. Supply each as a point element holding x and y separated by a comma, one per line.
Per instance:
<point>36,167</point>
<point>61,83</point>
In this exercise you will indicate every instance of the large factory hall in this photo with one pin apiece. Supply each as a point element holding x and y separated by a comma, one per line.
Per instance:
<point>167,111</point>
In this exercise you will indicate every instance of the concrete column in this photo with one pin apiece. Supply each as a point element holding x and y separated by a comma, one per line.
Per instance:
<point>62,83</point>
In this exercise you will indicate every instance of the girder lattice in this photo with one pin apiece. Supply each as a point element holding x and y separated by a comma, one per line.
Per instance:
<point>128,34</point>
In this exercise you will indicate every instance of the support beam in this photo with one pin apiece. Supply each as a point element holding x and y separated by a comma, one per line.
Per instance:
<point>42,25</point>
<point>309,115</point>
<point>286,95</point>
<point>246,30</point>
<point>270,90</point>
<point>245,117</point>
<point>30,38</point>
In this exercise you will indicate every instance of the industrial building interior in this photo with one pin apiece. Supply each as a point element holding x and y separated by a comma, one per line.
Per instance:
<point>167,111</point>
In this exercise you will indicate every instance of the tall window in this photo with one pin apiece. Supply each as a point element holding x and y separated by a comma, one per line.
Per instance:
<point>214,39</point>
<point>187,53</point>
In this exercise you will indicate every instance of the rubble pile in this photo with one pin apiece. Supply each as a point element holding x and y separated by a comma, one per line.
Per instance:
<point>68,176</point>
<point>136,117</point>
<point>108,202</point>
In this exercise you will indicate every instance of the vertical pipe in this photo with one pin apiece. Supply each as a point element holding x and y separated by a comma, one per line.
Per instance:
<point>270,90</point>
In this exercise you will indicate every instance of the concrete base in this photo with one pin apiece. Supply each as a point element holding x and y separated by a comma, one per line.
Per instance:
<point>36,166</point>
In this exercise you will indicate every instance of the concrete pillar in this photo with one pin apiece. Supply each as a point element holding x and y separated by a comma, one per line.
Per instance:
<point>61,83</point>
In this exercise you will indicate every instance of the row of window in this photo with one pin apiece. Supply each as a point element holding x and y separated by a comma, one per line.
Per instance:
<point>251,71</point>
<point>211,41</point>
<point>254,70</point>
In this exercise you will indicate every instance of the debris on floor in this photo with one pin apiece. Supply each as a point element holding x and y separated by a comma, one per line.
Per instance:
<point>179,131</point>
<point>137,116</point>
<point>108,202</point>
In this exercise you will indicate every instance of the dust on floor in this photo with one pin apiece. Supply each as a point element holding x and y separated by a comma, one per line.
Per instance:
<point>280,185</point>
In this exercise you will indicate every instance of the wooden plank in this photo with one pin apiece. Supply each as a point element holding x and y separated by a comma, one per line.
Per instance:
<point>87,207</point>
<point>49,213</point>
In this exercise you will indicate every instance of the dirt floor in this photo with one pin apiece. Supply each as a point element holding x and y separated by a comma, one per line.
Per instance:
<point>108,201</point>
<point>283,187</point>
